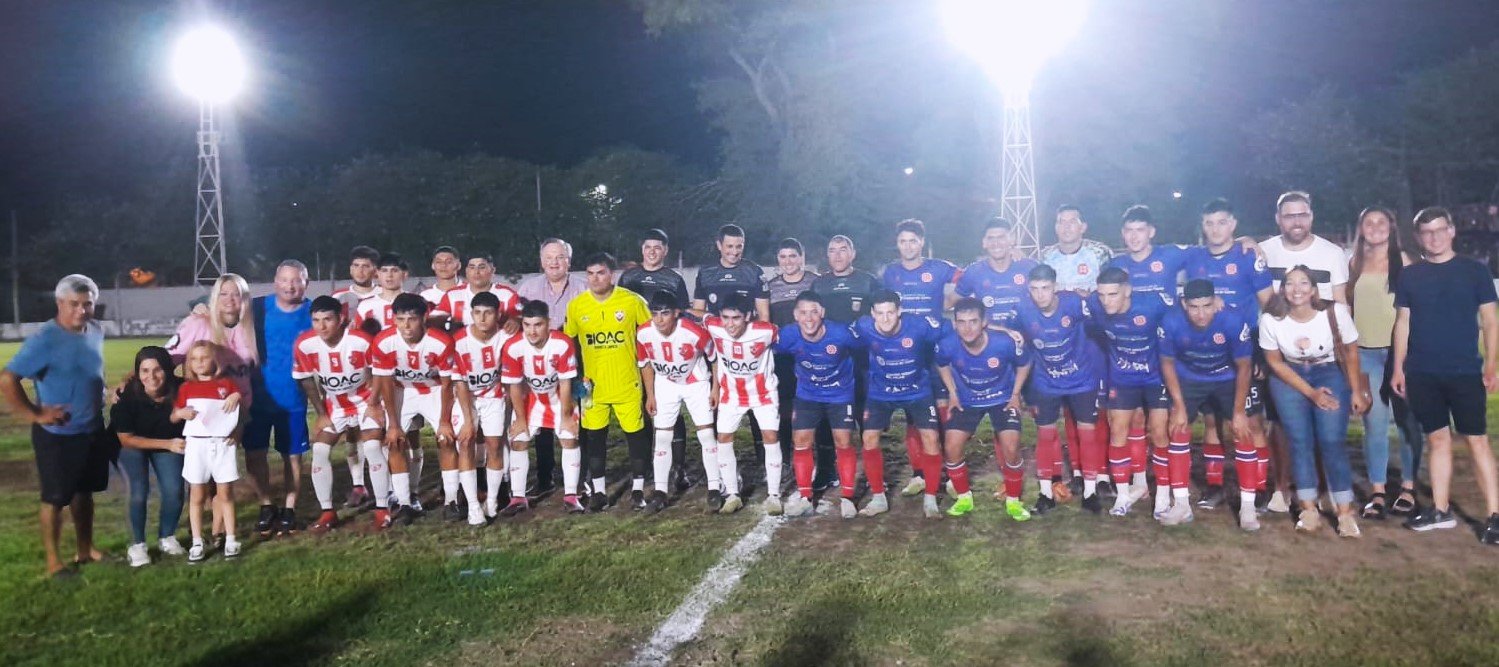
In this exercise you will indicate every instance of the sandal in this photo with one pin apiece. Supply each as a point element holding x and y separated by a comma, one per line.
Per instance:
<point>1405,505</point>
<point>1375,509</point>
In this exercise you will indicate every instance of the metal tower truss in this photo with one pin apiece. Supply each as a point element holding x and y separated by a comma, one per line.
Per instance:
<point>1018,203</point>
<point>208,256</point>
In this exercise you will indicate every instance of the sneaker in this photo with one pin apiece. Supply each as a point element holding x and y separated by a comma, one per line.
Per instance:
<point>878,504</point>
<point>358,498</point>
<point>138,555</point>
<point>1249,518</point>
<point>476,515</point>
<point>1348,526</point>
<point>231,549</point>
<point>197,554</point>
<point>1211,498</point>
<point>963,505</point>
<point>571,505</point>
<point>516,506</point>
<point>416,505</point>
<point>286,521</point>
<point>452,512</point>
<point>598,502</point>
<point>1490,533</point>
<point>1043,505</point>
<point>683,481</point>
<point>715,501</point>
<point>913,487</point>
<point>266,522</point>
<point>1278,504</point>
<point>637,500</point>
<point>798,506</point>
<point>404,515</point>
<point>325,522</point>
<point>1308,521</point>
<point>1431,518</point>
<point>1121,506</point>
<point>773,506</point>
<point>382,519</point>
<point>929,507</point>
<point>656,503</point>
<point>1093,503</point>
<point>1017,510</point>
<point>731,504</point>
<point>846,508</point>
<point>1180,513</point>
<point>169,546</point>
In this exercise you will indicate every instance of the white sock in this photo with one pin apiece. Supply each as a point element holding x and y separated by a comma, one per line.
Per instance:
<point>469,480</point>
<point>572,464</point>
<point>400,482</point>
<point>728,469</point>
<point>773,468</point>
<point>1162,497</point>
<point>1139,480</point>
<point>1045,486</point>
<point>495,479</point>
<point>1247,499</point>
<point>661,462</point>
<point>379,474</point>
<point>229,540</point>
<point>1121,492</point>
<point>637,484</point>
<point>1090,487</point>
<point>600,485</point>
<point>322,474</point>
<point>709,445</point>
<point>520,472</point>
<point>450,486</point>
<point>355,459</point>
<point>1182,495</point>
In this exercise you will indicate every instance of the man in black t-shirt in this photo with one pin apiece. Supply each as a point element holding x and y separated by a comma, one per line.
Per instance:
<point>732,275</point>
<point>651,277</point>
<point>793,279</point>
<point>845,290</point>
<point>1440,302</point>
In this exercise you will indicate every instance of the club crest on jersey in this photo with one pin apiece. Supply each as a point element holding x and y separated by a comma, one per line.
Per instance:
<point>1082,269</point>
<point>619,316</point>
<point>993,362</point>
<point>988,302</point>
<point>926,277</point>
<point>1019,279</point>
<point>223,393</point>
<point>1157,266</point>
<point>1218,339</point>
<point>1066,321</point>
<point>907,343</point>
<point>1139,320</point>
<point>1231,269</point>
<point>335,363</point>
<point>831,349</point>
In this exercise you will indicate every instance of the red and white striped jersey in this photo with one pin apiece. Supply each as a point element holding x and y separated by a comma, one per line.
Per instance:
<point>681,357</point>
<point>746,370</point>
<point>540,368</point>
<point>339,369</point>
<point>376,308</point>
<point>454,303</point>
<point>478,362</point>
<point>433,295</point>
<point>421,366</point>
<point>351,300</point>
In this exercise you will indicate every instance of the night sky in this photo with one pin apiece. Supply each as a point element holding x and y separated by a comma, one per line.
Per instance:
<point>85,100</point>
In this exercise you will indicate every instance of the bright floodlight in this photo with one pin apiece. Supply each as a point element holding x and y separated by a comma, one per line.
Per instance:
<point>207,65</point>
<point>1012,39</point>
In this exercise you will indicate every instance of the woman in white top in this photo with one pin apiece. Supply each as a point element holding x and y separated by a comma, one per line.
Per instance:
<point>1311,347</point>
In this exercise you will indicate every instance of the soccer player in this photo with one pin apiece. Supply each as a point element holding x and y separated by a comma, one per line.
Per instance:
<point>652,276</point>
<point>746,385</point>
<point>362,260</point>
<point>731,276</point>
<point>604,321</point>
<point>538,366</point>
<point>822,352</point>
<point>1152,268</point>
<point>983,371</point>
<point>413,367</point>
<point>333,364</point>
<point>478,396</point>
<point>1130,325</point>
<point>999,280</point>
<point>452,311</point>
<point>390,276</point>
<point>445,265</point>
<point>1068,372</point>
<point>923,285</point>
<point>673,354</point>
<point>1206,360</point>
<point>900,348</point>
<point>1077,260</point>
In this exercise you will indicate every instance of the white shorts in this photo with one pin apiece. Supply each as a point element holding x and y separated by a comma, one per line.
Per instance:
<point>359,421</point>
<point>730,416</point>
<point>207,460</point>
<point>426,406</point>
<point>671,395</point>
<point>492,414</point>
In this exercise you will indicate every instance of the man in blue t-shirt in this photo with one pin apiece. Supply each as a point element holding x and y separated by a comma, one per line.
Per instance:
<point>280,407</point>
<point>999,280</point>
<point>65,362</point>
<point>1440,302</point>
<point>822,352</point>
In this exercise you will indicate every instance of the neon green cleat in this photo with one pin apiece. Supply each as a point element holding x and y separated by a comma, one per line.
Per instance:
<point>963,505</point>
<point>1017,510</point>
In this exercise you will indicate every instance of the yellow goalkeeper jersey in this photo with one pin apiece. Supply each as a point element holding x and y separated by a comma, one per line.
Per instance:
<point>605,332</point>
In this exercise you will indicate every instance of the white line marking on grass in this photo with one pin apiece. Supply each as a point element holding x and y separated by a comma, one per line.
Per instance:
<point>711,591</point>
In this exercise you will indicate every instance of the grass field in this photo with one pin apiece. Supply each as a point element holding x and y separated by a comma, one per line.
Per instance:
<point>1066,589</point>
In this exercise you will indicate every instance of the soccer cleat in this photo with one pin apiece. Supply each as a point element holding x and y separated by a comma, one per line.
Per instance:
<point>138,555</point>
<point>637,500</point>
<point>1430,518</point>
<point>1278,503</point>
<point>1106,488</point>
<point>1017,510</point>
<point>266,522</point>
<point>1249,518</point>
<point>656,503</point>
<point>731,504</point>
<point>325,522</point>
<point>878,504</point>
<point>358,498</point>
<point>197,554</point>
<point>572,506</point>
<point>715,501</point>
<point>929,507</point>
<point>846,508</point>
<point>1093,504</point>
<point>452,512</point>
<point>683,481</point>
<point>598,502</point>
<point>516,506</point>
<point>1121,506</point>
<point>476,515</point>
<point>1348,526</point>
<point>773,506</point>
<point>1180,513</point>
<point>416,505</point>
<point>286,522</point>
<point>913,487</point>
<point>1490,533</point>
<point>382,519</point>
<point>170,546</point>
<point>1043,505</point>
<point>231,549</point>
<point>1211,498</point>
<point>963,505</point>
<point>798,506</point>
<point>404,515</point>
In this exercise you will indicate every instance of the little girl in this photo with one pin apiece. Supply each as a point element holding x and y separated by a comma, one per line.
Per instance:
<point>209,455</point>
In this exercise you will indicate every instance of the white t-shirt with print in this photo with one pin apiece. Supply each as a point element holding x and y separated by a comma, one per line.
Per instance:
<point>1306,342</point>
<point>1326,260</point>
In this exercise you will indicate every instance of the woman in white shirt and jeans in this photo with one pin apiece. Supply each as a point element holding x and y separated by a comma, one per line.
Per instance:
<point>1310,345</point>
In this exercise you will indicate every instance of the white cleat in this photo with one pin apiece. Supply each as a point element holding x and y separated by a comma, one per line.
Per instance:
<point>846,507</point>
<point>798,506</point>
<point>1121,506</point>
<point>170,546</point>
<point>929,507</point>
<point>876,506</point>
<point>1180,513</point>
<point>731,504</point>
<point>1249,520</point>
<point>475,515</point>
<point>913,487</point>
<point>773,506</point>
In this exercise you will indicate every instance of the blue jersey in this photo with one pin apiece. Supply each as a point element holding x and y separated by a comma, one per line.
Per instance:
<point>276,333</point>
<point>922,290</point>
<point>1000,291</point>
<point>1133,359</point>
<point>900,364</point>
<point>824,368</point>
<point>986,379</point>
<point>1237,275</point>
<point>1066,360</point>
<point>1209,354</point>
<point>1157,272</point>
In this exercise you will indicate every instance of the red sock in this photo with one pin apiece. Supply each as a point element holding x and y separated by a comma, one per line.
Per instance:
<point>874,469</point>
<point>913,450</point>
<point>1180,455</point>
<point>1119,464</point>
<point>802,464</point>
<point>1014,479</point>
<point>1212,456</point>
<point>1073,450</point>
<point>1095,451</point>
<point>1139,450</point>
<point>1261,468</point>
<point>958,473</point>
<point>931,465</point>
<point>1247,466</point>
<point>1160,466</point>
<point>1047,448</point>
<point>848,470</point>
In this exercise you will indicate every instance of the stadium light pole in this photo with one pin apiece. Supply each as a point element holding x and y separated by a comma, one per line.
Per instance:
<point>1011,40</point>
<point>208,66</point>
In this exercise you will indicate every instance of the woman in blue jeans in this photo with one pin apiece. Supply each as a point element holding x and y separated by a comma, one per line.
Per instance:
<point>1311,346</point>
<point>151,442</point>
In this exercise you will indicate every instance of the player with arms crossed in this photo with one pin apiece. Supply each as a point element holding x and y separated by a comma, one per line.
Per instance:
<point>413,368</point>
<point>538,366</point>
<point>478,395</point>
<point>673,354</point>
<point>822,353</point>
<point>746,385</point>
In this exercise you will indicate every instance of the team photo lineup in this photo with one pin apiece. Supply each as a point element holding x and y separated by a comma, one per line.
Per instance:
<point>1269,349</point>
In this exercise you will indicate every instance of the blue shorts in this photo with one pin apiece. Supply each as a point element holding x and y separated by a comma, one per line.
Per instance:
<point>920,413</point>
<point>1217,399</point>
<point>1149,397</point>
<point>939,390</point>
<point>807,415</point>
<point>1082,405</point>
<point>968,419</point>
<point>290,429</point>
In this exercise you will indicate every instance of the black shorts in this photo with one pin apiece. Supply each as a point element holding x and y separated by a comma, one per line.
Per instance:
<point>1439,401</point>
<point>1151,397</point>
<point>968,419</point>
<point>1082,405</point>
<point>1217,397</point>
<point>920,413</point>
<point>68,465</point>
<point>939,390</point>
<point>807,415</point>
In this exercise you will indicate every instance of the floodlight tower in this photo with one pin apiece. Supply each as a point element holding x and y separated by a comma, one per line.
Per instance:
<point>1011,40</point>
<point>207,65</point>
